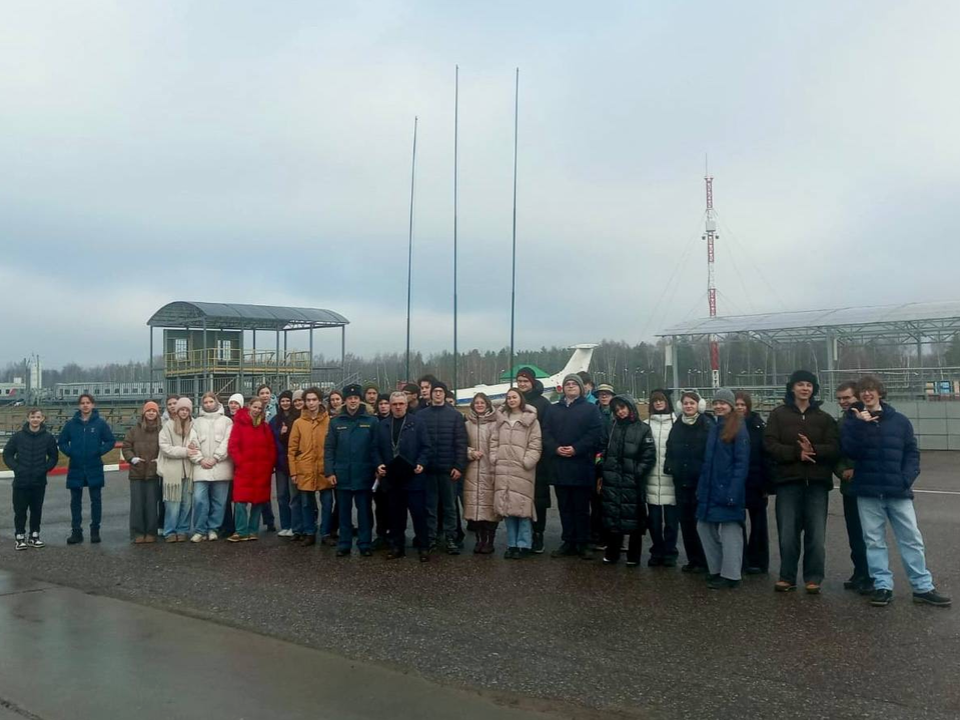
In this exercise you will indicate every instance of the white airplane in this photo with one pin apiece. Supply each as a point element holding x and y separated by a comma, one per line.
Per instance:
<point>579,361</point>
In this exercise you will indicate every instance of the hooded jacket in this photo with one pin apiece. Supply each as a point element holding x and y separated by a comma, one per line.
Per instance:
<point>282,438</point>
<point>478,480</point>
<point>448,438</point>
<point>780,439</point>
<point>630,456</point>
<point>142,441</point>
<point>660,489</point>
<point>519,446</point>
<point>31,455</point>
<point>545,466</point>
<point>254,454</point>
<point>85,443</point>
<point>885,452</point>
<point>722,491</point>
<point>579,426</point>
<point>305,451</point>
<point>686,446</point>
<point>348,451</point>
<point>213,434</point>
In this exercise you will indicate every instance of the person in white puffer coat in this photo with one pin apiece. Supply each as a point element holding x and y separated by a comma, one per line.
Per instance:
<point>662,511</point>
<point>213,472</point>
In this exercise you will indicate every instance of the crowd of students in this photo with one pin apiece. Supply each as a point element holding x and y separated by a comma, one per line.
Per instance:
<point>352,470</point>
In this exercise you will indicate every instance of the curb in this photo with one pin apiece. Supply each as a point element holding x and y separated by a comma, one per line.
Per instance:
<point>8,474</point>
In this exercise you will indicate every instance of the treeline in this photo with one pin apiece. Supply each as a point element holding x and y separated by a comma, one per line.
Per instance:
<point>635,368</point>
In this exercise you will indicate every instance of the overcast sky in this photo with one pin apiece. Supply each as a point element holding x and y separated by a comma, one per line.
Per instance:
<point>260,152</point>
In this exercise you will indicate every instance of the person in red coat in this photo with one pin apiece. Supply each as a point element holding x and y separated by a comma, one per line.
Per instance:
<point>254,453</point>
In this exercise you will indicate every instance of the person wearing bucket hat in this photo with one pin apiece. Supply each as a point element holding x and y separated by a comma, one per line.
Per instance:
<point>721,493</point>
<point>141,448</point>
<point>804,444</point>
<point>572,436</point>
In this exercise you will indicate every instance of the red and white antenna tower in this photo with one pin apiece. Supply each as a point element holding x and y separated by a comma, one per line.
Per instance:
<point>710,236</point>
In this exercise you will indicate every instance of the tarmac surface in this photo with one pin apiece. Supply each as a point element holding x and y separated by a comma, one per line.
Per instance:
<point>541,637</point>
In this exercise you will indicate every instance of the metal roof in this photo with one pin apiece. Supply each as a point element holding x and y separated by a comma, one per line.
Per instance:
<point>929,321</point>
<point>237,316</point>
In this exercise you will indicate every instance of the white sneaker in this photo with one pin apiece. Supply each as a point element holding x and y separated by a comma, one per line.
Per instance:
<point>197,537</point>
<point>212,535</point>
<point>285,533</point>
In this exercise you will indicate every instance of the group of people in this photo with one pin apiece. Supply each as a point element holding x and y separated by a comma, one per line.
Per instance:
<point>350,468</point>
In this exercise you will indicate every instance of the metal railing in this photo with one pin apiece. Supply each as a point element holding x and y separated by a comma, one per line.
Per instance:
<point>232,360</point>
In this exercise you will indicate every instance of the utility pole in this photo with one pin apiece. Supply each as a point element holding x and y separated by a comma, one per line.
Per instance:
<point>710,236</point>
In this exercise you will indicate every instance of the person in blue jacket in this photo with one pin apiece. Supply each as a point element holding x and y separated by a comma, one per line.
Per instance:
<point>572,436</point>
<point>403,435</point>
<point>85,439</point>
<point>348,458</point>
<point>722,493</point>
<point>881,443</point>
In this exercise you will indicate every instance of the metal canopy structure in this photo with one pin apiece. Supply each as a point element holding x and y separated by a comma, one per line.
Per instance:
<point>916,322</point>
<point>909,323</point>
<point>211,362</point>
<point>236,316</point>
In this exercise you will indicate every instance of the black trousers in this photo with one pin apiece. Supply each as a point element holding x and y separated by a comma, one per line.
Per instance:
<point>596,517</point>
<point>24,499</point>
<point>381,512</point>
<point>615,545</point>
<point>143,507</point>
<point>756,552</point>
<point>687,502</point>
<point>858,549</point>
<point>403,498</point>
<point>574,502</point>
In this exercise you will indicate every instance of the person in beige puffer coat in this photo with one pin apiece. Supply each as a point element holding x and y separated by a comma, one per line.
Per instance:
<point>478,481</point>
<point>519,448</point>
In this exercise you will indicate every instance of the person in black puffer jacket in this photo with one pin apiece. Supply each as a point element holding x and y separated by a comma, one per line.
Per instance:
<point>573,436</point>
<point>686,446</point>
<point>447,432</point>
<point>629,457</point>
<point>756,556</point>
<point>532,390</point>
<point>31,453</point>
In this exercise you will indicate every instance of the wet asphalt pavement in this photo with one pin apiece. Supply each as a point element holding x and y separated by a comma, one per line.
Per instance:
<point>576,638</point>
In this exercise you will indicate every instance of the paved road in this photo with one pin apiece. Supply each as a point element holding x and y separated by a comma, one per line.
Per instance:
<point>563,635</point>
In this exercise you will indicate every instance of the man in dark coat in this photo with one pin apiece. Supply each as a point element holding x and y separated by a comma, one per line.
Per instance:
<point>532,390</point>
<point>348,458</point>
<point>629,457</point>
<point>85,439</point>
<point>860,581</point>
<point>882,444</point>
<point>803,443</point>
<point>31,453</point>
<point>401,453</point>
<point>448,459</point>
<point>573,437</point>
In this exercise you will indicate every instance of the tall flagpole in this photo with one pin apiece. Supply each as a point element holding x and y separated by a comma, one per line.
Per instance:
<point>413,175</point>
<point>513,289</point>
<point>456,138</point>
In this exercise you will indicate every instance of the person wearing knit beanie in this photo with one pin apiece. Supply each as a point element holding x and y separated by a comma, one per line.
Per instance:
<point>141,447</point>
<point>185,402</point>
<point>725,395</point>
<point>527,373</point>
<point>803,442</point>
<point>577,380</point>
<point>150,405</point>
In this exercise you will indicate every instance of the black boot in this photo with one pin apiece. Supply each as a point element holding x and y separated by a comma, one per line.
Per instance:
<point>491,536</point>
<point>481,541</point>
<point>76,537</point>
<point>94,535</point>
<point>538,543</point>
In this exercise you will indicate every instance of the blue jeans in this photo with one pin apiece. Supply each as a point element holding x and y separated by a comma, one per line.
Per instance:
<point>346,500</point>
<point>282,481</point>
<point>246,517</point>
<point>519,532</point>
<point>209,503</point>
<point>176,518</point>
<point>326,511</point>
<point>296,508</point>
<point>76,508</point>
<point>874,513</point>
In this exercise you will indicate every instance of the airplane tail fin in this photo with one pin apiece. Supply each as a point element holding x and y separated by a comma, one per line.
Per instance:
<point>579,361</point>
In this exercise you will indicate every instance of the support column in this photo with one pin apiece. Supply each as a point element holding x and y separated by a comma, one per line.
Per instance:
<point>830,385</point>
<point>343,354</point>
<point>150,376</point>
<point>311,355</point>
<point>240,377</point>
